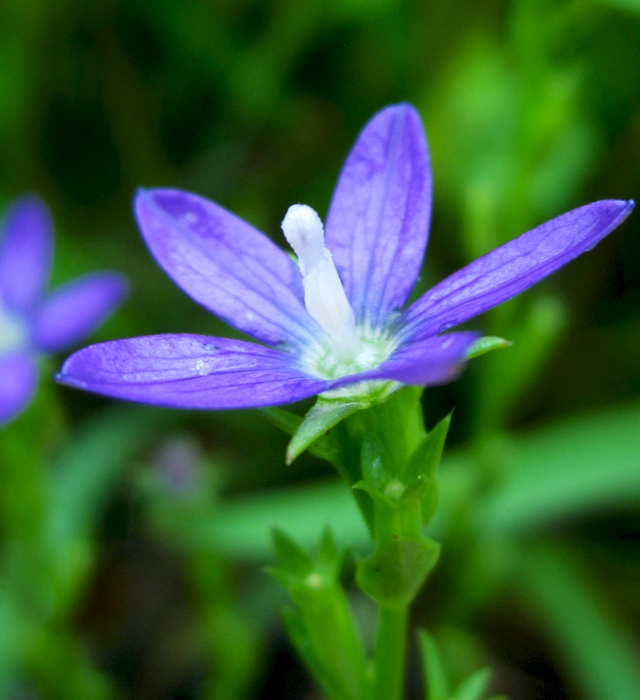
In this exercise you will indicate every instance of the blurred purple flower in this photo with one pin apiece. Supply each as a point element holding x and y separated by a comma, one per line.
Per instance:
<point>33,323</point>
<point>335,318</point>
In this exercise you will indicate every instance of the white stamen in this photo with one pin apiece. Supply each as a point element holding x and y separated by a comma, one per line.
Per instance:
<point>324,294</point>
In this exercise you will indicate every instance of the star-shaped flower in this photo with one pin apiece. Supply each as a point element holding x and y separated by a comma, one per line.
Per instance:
<point>33,323</point>
<point>333,322</point>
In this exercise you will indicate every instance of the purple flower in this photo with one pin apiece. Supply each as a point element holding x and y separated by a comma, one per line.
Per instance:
<point>333,322</point>
<point>33,323</point>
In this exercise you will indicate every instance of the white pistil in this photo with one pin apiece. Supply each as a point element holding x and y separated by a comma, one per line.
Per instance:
<point>324,294</point>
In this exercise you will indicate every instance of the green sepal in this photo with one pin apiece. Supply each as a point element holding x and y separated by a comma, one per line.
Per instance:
<point>424,461</point>
<point>429,502</point>
<point>394,573</point>
<point>292,558</point>
<point>297,571</point>
<point>324,415</point>
<point>418,475</point>
<point>289,423</point>
<point>486,344</point>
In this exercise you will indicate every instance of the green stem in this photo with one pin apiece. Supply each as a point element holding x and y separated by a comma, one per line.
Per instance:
<point>389,660</point>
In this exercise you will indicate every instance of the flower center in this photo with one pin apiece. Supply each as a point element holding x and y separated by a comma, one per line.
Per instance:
<point>12,331</point>
<point>324,294</point>
<point>349,349</point>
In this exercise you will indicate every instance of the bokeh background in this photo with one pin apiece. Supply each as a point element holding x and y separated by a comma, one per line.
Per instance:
<point>133,540</point>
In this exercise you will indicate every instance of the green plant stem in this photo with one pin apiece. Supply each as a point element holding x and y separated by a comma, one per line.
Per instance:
<point>389,660</point>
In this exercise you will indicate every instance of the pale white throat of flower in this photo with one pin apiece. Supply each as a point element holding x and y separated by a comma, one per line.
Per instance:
<point>12,331</point>
<point>324,294</point>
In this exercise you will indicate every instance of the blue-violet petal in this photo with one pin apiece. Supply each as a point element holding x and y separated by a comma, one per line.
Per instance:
<point>513,267</point>
<point>190,371</point>
<point>25,253</point>
<point>226,265</point>
<point>18,381</point>
<point>76,309</point>
<point>378,221</point>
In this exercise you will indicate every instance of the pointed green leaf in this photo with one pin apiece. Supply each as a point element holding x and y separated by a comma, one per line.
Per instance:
<point>474,687</point>
<point>288,422</point>
<point>328,553</point>
<point>291,557</point>
<point>486,344</point>
<point>429,503</point>
<point>435,682</point>
<point>425,458</point>
<point>324,415</point>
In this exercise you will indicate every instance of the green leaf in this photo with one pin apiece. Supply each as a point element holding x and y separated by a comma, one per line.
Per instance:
<point>291,556</point>
<point>424,461</point>
<point>578,465</point>
<point>435,682</point>
<point>288,422</point>
<point>504,378</point>
<point>486,344</point>
<point>12,632</point>
<point>595,646</point>
<point>240,526</point>
<point>324,415</point>
<point>474,687</point>
<point>83,473</point>
<point>299,636</point>
<point>630,5</point>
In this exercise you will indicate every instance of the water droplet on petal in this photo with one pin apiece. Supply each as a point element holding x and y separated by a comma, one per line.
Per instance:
<point>200,367</point>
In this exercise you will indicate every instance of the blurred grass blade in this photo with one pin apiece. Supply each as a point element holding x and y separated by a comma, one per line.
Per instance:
<point>11,631</point>
<point>474,687</point>
<point>586,463</point>
<point>240,527</point>
<point>83,472</point>
<point>596,648</point>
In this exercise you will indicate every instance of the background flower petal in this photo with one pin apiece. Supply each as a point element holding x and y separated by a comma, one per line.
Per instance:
<point>225,264</point>
<point>378,221</point>
<point>18,380</point>
<point>75,310</point>
<point>25,253</point>
<point>513,267</point>
<point>436,360</point>
<point>189,371</point>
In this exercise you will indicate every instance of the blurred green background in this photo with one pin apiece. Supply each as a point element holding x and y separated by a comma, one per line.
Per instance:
<point>133,539</point>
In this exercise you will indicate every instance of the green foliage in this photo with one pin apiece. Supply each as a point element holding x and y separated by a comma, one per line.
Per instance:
<point>323,629</point>
<point>436,683</point>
